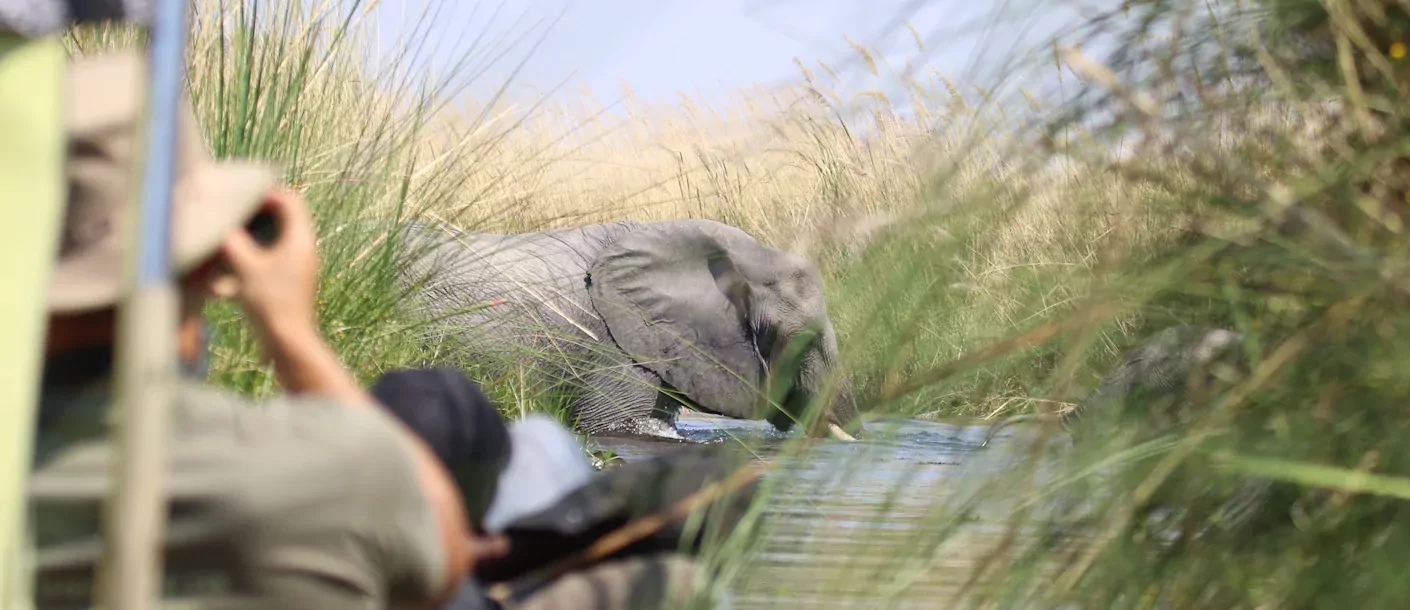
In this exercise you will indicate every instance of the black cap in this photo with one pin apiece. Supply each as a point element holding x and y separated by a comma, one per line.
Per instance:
<point>459,423</point>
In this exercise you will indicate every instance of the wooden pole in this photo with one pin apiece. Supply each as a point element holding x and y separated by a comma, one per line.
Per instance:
<point>131,577</point>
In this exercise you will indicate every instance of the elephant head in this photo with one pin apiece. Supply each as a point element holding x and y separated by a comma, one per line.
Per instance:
<point>739,328</point>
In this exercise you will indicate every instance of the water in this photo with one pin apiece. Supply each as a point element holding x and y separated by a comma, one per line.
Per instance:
<point>854,524</point>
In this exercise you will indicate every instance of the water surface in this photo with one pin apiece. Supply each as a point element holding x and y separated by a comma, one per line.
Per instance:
<point>853,524</point>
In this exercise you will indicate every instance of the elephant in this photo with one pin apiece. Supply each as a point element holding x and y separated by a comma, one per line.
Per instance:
<point>641,318</point>
<point>1158,373</point>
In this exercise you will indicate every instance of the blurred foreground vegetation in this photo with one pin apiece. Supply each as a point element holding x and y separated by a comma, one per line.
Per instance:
<point>1232,164</point>
<point>1275,131</point>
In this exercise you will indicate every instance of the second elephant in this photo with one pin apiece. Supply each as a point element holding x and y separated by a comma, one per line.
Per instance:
<point>638,318</point>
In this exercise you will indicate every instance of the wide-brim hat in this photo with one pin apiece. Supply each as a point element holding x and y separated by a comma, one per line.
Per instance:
<point>211,198</point>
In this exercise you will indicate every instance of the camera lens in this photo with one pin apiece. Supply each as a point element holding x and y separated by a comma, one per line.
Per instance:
<point>264,228</point>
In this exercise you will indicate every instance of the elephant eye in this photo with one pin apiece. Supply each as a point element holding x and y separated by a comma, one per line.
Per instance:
<point>764,337</point>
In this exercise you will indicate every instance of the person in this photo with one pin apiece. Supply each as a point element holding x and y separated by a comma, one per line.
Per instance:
<point>537,497</point>
<point>317,498</point>
<point>461,426</point>
<point>503,472</point>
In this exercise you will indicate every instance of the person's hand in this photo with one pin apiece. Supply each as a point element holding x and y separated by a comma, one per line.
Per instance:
<point>277,284</point>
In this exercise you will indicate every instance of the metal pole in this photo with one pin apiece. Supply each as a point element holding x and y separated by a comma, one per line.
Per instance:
<point>131,578</point>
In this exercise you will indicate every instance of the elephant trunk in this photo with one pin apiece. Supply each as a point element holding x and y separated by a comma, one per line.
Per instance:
<point>820,380</point>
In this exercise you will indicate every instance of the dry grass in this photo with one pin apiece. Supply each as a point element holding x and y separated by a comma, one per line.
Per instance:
<point>942,229</point>
<point>938,223</point>
<point>981,232</point>
<point>806,169</point>
<point>771,161</point>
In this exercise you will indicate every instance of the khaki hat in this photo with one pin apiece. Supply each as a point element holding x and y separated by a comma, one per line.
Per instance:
<point>106,105</point>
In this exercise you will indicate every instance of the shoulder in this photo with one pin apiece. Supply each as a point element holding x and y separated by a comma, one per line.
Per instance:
<point>326,488</point>
<point>291,488</point>
<point>217,415</point>
<point>294,450</point>
<point>298,485</point>
<point>250,457</point>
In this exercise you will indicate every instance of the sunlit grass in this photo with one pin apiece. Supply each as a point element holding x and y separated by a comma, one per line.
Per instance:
<point>1280,487</point>
<point>936,235</point>
<point>302,85</point>
<point>927,202</point>
<point>974,267</point>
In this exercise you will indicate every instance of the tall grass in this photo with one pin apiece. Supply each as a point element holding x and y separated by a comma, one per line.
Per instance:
<point>304,85</point>
<point>974,266</point>
<point>924,200</point>
<point>934,188</point>
<point>1279,487</point>
<point>377,139</point>
<point>935,234</point>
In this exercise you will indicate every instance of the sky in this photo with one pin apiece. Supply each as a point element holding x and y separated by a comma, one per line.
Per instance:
<point>705,47</point>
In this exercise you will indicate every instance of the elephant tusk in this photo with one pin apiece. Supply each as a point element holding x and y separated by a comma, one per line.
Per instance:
<point>1006,422</point>
<point>838,433</point>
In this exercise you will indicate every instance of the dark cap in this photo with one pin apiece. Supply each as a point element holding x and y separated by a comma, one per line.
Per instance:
<point>459,423</point>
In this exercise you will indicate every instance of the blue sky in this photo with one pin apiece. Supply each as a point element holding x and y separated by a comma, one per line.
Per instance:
<point>702,47</point>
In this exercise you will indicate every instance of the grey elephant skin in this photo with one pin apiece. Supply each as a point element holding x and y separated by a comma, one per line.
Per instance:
<point>637,319</point>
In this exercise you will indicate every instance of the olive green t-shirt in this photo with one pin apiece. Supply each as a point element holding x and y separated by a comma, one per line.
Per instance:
<point>293,503</point>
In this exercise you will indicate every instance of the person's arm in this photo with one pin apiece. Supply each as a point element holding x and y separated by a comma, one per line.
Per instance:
<point>277,286</point>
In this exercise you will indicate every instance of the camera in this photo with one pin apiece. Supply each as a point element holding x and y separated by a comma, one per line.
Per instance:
<point>264,228</point>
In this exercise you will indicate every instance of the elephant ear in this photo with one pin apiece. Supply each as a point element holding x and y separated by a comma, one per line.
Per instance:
<point>675,301</point>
